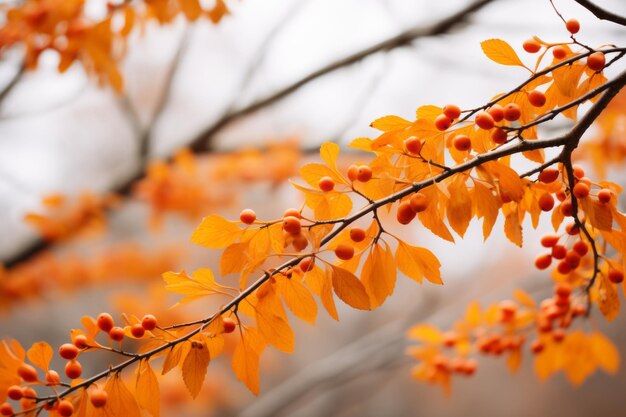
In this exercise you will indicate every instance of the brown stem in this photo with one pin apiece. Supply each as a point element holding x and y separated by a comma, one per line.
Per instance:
<point>601,13</point>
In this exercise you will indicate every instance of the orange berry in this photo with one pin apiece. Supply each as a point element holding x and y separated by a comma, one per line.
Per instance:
<point>80,341</point>
<point>484,120</point>
<point>549,241</point>
<point>604,195</point>
<point>247,216</point>
<point>353,172</point>
<point>452,111</point>
<point>413,145</point>
<point>559,251</point>
<point>292,225</point>
<point>300,242</point>
<point>499,136</point>
<point>73,369</point>
<point>149,322</point>
<point>581,190</point>
<point>563,267</point>
<point>559,52</point>
<point>6,409</point>
<point>137,330</point>
<point>596,61</point>
<point>581,248</point>
<point>15,392</point>
<point>462,143</point>
<point>344,251</point>
<point>537,346</point>
<point>293,212</point>
<point>65,408</point>
<point>307,264</point>
<point>573,259</point>
<point>357,234</point>
<point>537,98</point>
<point>449,339</point>
<point>52,377</point>
<point>508,309</point>
<point>105,322</point>
<point>579,310</point>
<point>442,122</point>
<point>531,46</point>
<point>548,175</point>
<point>558,335</point>
<point>418,202</point>
<point>326,184</point>
<point>497,112</point>
<point>405,213</point>
<point>68,351</point>
<point>561,196</point>
<point>364,173</point>
<point>543,261</point>
<point>616,276</point>
<point>566,208</point>
<point>229,325</point>
<point>117,334</point>
<point>571,229</point>
<point>579,172</point>
<point>469,367</point>
<point>512,112</point>
<point>98,398</point>
<point>572,26</point>
<point>27,372</point>
<point>546,202</point>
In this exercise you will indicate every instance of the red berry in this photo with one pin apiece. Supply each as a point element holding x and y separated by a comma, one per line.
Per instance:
<point>418,202</point>
<point>326,184</point>
<point>413,145</point>
<point>105,322</point>
<point>581,190</point>
<point>137,330</point>
<point>563,289</point>
<point>117,334</point>
<point>353,172</point>
<point>537,98</point>
<point>579,172</point>
<point>149,322</point>
<point>357,234</point>
<point>616,276</point>
<point>442,122</point>
<point>581,248</point>
<point>499,136</point>
<point>604,195</point>
<point>549,241</point>
<point>80,341</point>
<point>596,61</point>
<point>73,369</point>
<point>6,409</point>
<point>405,213</point>
<point>65,408</point>
<point>307,264</point>
<point>497,112</point>
<point>27,372</point>
<point>512,112</point>
<point>546,202</point>
<point>462,143</point>
<point>537,346</point>
<point>344,251</point>
<point>559,252</point>
<point>452,111</point>
<point>573,26</point>
<point>229,325</point>
<point>559,52</point>
<point>98,398</point>
<point>364,173</point>
<point>247,216</point>
<point>531,46</point>
<point>15,392</point>
<point>68,351</point>
<point>292,225</point>
<point>484,120</point>
<point>543,261</point>
<point>548,175</point>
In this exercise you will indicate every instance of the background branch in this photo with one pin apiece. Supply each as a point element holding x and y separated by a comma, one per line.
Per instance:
<point>601,13</point>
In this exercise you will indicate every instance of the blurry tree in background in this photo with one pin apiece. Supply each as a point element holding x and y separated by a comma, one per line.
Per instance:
<point>127,126</point>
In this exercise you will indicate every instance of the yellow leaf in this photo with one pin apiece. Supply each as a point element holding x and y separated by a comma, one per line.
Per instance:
<point>379,275</point>
<point>349,289</point>
<point>298,298</point>
<point>431,217</point>
<point>473,316</point>
<point>605,352</point>
<point>599,214</point>
<point>459,210</point>
<point>523,298</point>
<point>200,284</point>
<point>329,152</point>
<point>428,112</point>
<point>234,258</point>
<point>513,228</point>
<point>578,357</point>
<point>389,123</point>
<point>415,263</point>
<point>195,366</point>
<point>425,333</point>
<point>487,207</point>
<point>40,355</point>
<point>501,52</point>
<point>246,359</point>
<point>608,299</point>
<point>216,232</point>
<point>120,402</point>
<point>272,319</point>
<point>320,283</point>
<point>147,389</point>
<point>312,173</point>
<point>514,360</point>
<point>173,357</point>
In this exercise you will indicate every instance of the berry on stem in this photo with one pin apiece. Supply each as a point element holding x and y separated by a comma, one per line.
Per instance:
<point>137,330</point>
<point>357,234</point>
<point>484,120</point>
<point>247,216</point>
<point>546,202</point>
<point>418,202</point>
<point>229,325</point>
<point>364,173</point>
<point>98,398</point>
<point>442,122</point>
<point>452,111</point>
<point>548,175</point>
<point>117,334</point>
<point>537,98</point>
<point>596,61</point>
<point>326,184</point>
<point>65,408</point>
<point>531,46</point>
<point>68,351</point>
<point>73,369</point>
<point>344,251</point>
<point>573,26</point>
<point>462,143</point>
<point>27,372</point>
<point>105,322</point>
<point>413,145</point>
<point>512,112</point>
<point>292,225</point>
<point>405,213</point>
<point>149,322</point>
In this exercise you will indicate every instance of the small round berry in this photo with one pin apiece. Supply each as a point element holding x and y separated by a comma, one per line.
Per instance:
<point>364,173</point>
<point>543,261</point>
<point>452,111</point>
<point>300,242</point>
<point>68,351</point>
<point>531,46</point>
<point>307,264</point>
<point>559,252</point>
<point>462,143</point>
<point>548,175</point>
<point>293,212</point>
<point>117,334</point>
<point>559,52</point>
<point>499,136</point>
<point>418,202</point>
<point>52,377</point>
<point>566,208</point>
<point>326,184</point>
<point>344,251</point>
<point>353,172</point>
<point>357,234</point>
<point>596,61</point>
<point>413,145</point>
<point>105,322</point>
<point>6,409</point>
<point>537,98</point>
<point>149,322</point>
<point>15,392</point>
<point>508,309</point>
<point>405,213</point>
<point>572,229</point>
<point>512,112</point>
<point>579,172</point>
<point>497,112</point>
<point>581,190</point>
<point>549,241</point>
<point>442,122</point>
<point>581,248</point>
<point>573,259</point>
<point>27,372</point>
<point>572,26</point>
<point>98,398</point>
<point>73,369</point>
<point>563,289</point>
<point>80,341</point>
<point>604,195</point>
<point>229,325</point>
<point>469,367</point>
<point>546,202</point>
<point>292,225</point>
<point>563,267</point>
<point>616,276</point>
<point>137,330</point>
<point>65,408</point>
<point>484,120</point>
<point>247,216</point>
<point>537,346</point>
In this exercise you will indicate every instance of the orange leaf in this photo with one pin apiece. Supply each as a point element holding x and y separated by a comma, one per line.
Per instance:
<point>147,389</point>
<point>425,333</point>
<point>606,353</point>
<point>298,298</point>
<point>379,275</point>
<point>389,123</point>
<point>40,355</point>
<point>246,359</point>
<point>195,366</point>
<point>501,52</point>
<point>120,402</point>
<point>415,263</point>
<point>216,232</point>
<point>349,289</point>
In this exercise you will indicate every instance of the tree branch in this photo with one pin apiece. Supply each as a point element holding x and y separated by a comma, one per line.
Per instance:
<point>13,82</point>
<point>601,13</point>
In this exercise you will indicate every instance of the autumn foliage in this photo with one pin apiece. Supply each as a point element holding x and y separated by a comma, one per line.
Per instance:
<point>444,168</point>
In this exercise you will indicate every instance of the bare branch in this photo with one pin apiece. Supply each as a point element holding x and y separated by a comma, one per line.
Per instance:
<point>601,13</point>
<point>14,81</point>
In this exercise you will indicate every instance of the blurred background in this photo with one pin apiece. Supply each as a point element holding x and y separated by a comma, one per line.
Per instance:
<point>254,96</point>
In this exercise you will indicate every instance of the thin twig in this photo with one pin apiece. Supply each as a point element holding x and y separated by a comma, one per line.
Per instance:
<point>601,13</point>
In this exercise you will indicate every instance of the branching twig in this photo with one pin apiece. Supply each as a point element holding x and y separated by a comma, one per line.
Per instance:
<point>601,13</point>
<point>14,81</point>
